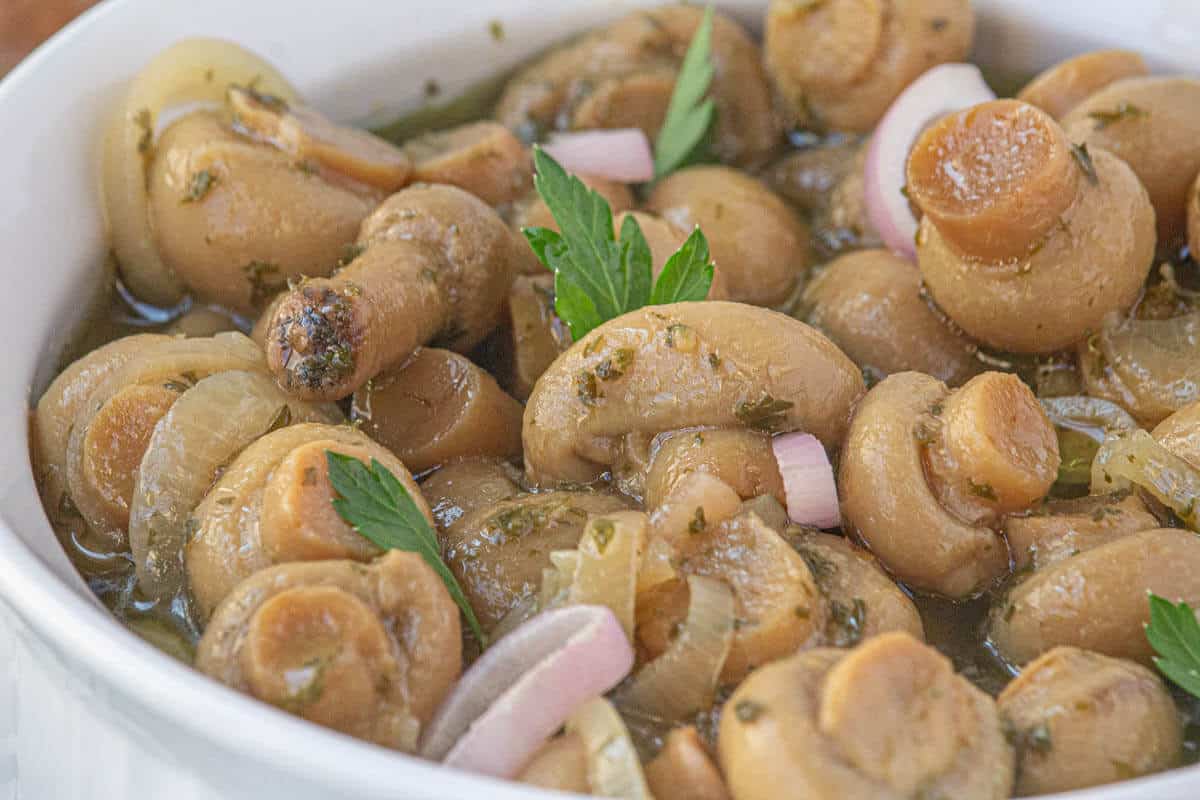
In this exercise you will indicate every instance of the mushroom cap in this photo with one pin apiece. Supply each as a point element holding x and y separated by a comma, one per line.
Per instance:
<point>888,502</point>
<point>1082,719</point>
<point>885,719</point>
<point>1156,125</point>
<point>683,365</point>
<point>1097,600</point>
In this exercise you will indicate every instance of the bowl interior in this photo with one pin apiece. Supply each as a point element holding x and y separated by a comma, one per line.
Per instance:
<point>359,60</point>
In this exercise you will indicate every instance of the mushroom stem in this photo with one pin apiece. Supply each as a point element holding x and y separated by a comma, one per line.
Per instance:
<point>434,262</point>
<point>329,335</point>
<point>997,447</point>
<point>994,179</point>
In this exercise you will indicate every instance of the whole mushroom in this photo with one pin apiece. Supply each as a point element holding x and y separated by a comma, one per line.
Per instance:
<point>889,718</point>
<point>664,368</point>
<point>1068,83</point>
<point>1081,719</point>
<point>758,243</point>
<point>869,303</point>
<point>1097,600</point>
<point>434,264</point>
<point>436,407</point>
<point>839,64</point>
<point>499,551</point>
<point>266,191</point>
<point>370,651</point>
<point>926,473</point>
<point>273,505</point>
<point>1017,243</point>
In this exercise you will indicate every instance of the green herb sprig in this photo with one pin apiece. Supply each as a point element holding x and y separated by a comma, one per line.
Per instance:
<point>597,276</point>
<point>689,114</point>
<point>1175,635</point>
<point>377,506</point>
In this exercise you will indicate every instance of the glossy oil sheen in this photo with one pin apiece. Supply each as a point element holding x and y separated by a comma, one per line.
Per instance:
<point>87,710</point>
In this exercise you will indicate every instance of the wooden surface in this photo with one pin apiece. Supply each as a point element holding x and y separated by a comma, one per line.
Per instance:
<point>24,24</point>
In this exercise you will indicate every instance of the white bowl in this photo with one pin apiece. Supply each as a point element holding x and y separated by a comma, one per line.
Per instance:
<point>87,710</point>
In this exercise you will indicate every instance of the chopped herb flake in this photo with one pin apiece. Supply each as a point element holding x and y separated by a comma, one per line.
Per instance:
<point>199,186</point>
<point>615,365</point>
<point>748,710</point>
<point>1123,111</point>
<point>983,490</point>
<point>602,533</point>
<point>848,623</point>
<point>265,282</point>
<point>586,388</point>
<point>765,414</point>
<point>1084,159</point>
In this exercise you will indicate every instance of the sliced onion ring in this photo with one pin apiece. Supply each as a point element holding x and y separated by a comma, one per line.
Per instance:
<point>1092,416</point>
<point>525,687</point>
<point>207,426</point>
<point>808,482</point>
<point>1139,459</point>
<point>614,769</point>
<point>621,154</point>
<point>683,680</point>
<point>940,91</point>
<point>191,71</point>
<point>606,571</point>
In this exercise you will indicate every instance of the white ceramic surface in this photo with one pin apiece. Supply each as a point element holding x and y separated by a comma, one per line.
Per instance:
<point>86,709</point>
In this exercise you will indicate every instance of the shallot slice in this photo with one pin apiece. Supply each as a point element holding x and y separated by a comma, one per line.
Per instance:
<point>622,154</point>
<point>808,483</point>
<point>940,91</point>
<point>525,687</point>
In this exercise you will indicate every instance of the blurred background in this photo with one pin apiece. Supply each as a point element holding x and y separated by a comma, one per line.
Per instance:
<point>24,24</point>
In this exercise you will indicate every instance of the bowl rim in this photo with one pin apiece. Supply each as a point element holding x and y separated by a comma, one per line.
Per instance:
<point>226,719</point>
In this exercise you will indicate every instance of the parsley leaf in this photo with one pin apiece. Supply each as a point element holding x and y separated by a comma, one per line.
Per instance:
<point>687,275</point>
<point>598,277</point>
<point>1175,635</point>
<point>585,253</point>
<point>375,504</point>
<point>689,115</point>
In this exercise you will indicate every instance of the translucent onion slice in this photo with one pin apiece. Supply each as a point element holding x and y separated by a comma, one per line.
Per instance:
<point>191,71</point>
<point>614,769</point>
<point>609,561</point>
<point>206,427</point>
<point>1142,461</point>
<point>1092,416</point>
<point>1155,361</point>
<point>658,564</point>
<point>683,680</point>
<point>557,578</point>
<point>525,687</point>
